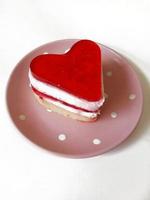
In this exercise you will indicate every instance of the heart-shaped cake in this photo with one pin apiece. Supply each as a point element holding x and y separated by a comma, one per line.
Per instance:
<point>70,83</point>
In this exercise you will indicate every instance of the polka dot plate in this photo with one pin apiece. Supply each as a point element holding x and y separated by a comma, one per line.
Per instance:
<point>119,115</point>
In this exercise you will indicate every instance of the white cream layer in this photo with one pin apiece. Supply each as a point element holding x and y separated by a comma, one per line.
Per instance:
<point>73,110</point>
<point>64,96</point>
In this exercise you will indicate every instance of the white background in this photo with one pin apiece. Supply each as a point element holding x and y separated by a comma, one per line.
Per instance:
<point>28,172</point>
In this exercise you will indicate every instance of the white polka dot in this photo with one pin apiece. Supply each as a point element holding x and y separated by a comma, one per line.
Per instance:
<point>96,141</point>
<point>114,115</point>
<point>62,137</point>
<point>45,52</point>
<point>22,117</point>
<point>132,96</point>
<point>98,112</point>
<point>49,110</point>
<point>106,96</point>
<point>109,73</point>
<point>67,50</point>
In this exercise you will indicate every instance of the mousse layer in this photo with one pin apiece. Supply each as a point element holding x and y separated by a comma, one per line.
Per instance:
<point>90,115</point>
<point>64,96</point>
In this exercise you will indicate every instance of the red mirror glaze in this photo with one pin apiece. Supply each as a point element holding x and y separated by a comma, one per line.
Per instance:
<point>78,72</point>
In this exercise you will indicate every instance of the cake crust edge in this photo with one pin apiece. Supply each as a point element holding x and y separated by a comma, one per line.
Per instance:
<point>64,112</point>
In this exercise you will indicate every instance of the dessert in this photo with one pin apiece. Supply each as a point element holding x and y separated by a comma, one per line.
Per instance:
<point>71,83</point>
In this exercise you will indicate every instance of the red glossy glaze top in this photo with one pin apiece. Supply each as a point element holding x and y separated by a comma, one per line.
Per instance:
<point>78,72</point>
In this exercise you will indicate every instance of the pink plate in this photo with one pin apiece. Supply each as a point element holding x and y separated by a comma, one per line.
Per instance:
<point>67,137</point>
